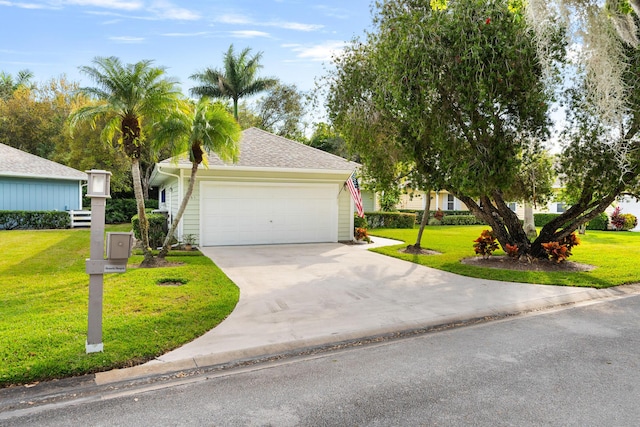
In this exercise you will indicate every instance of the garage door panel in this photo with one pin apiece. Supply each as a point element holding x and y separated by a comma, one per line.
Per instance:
<point>240,214</point>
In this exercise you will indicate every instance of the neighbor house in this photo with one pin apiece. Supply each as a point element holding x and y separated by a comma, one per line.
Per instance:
<point>279,191</point>
<point>31,183</point>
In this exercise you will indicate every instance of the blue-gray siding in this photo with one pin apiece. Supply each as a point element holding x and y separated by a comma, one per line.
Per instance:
<point>32,194</point>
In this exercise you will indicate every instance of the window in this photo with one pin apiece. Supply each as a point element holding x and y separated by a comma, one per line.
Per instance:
<point>513,206</point>
<point>560,207</point>
<point>163,196</point>
<point>450,202</point>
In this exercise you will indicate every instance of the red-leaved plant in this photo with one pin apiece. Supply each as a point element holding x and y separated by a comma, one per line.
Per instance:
<point>560,251</point>
<point>485,244</point>
<point>512,251</point>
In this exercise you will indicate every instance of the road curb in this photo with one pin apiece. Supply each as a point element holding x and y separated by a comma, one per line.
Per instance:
<point>279,350</point>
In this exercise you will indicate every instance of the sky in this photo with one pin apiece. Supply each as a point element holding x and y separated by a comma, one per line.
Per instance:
<point>52,38</point>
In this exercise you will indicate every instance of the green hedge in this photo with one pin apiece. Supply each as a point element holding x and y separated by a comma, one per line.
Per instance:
<point>542,219</point>
<point>119,211</point>
<point>461,220</point>
<point>601,222</point>
<point>360,222</point>
<point>419,213</point>
<point>157,229</point>
<point>34,220</point>
<point>390,219</point>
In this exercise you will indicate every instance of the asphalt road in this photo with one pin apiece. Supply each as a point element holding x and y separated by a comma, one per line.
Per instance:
<point>574,367</point>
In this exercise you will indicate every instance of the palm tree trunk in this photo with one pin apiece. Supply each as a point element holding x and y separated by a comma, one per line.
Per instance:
<point>183,206</point>
<point>142,216</point>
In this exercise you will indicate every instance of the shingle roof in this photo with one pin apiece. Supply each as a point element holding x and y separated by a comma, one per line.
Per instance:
<point>261,149</point>
<point>14,162</point>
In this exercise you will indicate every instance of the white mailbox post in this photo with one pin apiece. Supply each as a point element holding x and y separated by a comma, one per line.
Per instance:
<point>118,251</point>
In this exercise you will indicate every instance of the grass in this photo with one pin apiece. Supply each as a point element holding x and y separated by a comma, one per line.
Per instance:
<point>44,298</point>
<point>615,255</point>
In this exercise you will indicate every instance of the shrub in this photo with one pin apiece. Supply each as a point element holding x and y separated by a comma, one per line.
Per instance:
<point>34,220</point>
<point>601,222</point>
<point>542,219</point>
<point>461,220</point>
<point>485,244</point>
<point>360,222</point>
<point>560,251</point>
<point>157,229</point>
<point>512,251</point>
<point>617,220</point>
<point>361,234</point>
<point>119,211</point>
<point>390,220</point>
<point>630,221</point>
<point>434,221</point>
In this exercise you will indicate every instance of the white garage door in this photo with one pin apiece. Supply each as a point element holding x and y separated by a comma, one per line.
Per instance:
<point>250,213</point>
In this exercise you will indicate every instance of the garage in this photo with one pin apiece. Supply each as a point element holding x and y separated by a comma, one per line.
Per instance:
<point>268,213</point>
<point>278,191</point>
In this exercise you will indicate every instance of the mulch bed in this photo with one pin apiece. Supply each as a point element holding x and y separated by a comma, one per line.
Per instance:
<point>506,263</point>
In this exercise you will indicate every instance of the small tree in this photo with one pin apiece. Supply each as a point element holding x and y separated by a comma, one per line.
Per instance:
<point>207,128</point>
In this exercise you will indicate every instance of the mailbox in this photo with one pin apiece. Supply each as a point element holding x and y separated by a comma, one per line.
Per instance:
<point>119,245</point>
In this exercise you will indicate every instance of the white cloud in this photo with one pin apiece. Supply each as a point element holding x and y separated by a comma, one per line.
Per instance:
<point>234,19</point>
<point>198,34</point>
<point>107,4</point>
<point>127,39</point>
<point>319,52</point>
<point>26,5</point>
<point>294,26</point>
<point>166,10</point>
<point>333,12</point>
<point>249,34</point>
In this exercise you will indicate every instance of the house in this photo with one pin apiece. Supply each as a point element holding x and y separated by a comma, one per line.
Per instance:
<point>415,200</point>
<point>31,183</point>
<point>279,191</point>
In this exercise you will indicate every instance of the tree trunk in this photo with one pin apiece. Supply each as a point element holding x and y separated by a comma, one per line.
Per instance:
<point>529,223</point>
<point>425,219</point>
<point>183,205</point>
<point>142,216</point>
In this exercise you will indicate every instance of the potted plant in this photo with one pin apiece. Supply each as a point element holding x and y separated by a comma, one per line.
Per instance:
<point>188,240</point>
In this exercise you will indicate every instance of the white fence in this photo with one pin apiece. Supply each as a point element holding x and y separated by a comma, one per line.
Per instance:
<point>80,219</point>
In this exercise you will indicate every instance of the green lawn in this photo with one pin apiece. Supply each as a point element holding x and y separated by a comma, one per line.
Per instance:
<point>615,254</point>
<point>44,297</point>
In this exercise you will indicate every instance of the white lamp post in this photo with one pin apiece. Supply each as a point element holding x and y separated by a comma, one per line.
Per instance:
<point>98,190</point>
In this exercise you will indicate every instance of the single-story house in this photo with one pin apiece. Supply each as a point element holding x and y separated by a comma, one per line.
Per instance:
<point>415,200</point>
<point>32,183</point>
<point>279,191</point>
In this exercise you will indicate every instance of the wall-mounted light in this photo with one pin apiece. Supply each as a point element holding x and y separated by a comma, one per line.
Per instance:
<point>99,184</point>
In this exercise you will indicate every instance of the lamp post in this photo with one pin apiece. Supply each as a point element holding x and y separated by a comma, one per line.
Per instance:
<point>98,190</point>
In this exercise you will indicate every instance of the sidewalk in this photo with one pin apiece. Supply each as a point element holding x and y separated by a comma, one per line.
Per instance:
<point>294,297</point>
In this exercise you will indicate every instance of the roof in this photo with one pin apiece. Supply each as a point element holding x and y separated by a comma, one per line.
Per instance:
<point>17,163</point>
<point>261,149</point>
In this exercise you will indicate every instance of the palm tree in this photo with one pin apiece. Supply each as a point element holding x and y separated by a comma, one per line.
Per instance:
<point>126,95</point>
<point>209,128</point>
<point>9,84</point>
<point>238,79</point>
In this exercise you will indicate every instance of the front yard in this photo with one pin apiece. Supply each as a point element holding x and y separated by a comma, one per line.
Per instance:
<point>44,298</point>
<point>616,256</point>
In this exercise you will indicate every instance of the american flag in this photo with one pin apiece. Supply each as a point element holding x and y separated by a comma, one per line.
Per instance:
<point>354,189</point>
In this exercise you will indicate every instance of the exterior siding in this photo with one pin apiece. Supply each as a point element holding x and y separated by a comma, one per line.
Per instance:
<point>369,201</point>
<point>31,194</point>
<point>191,218</point>
<point>345,216</point>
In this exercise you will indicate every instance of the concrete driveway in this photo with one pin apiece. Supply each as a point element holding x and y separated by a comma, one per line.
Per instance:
<point>296,296</point>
